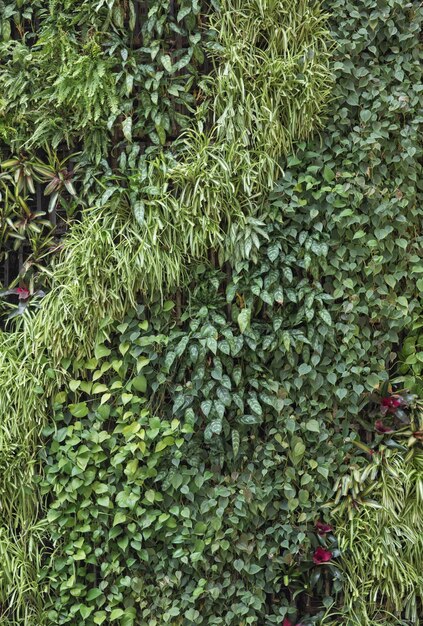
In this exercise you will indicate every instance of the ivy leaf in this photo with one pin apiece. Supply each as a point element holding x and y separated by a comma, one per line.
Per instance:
<point>101,351</point>
<point>119,518</point>
<point>79,410</point>
<point>140,383</point>
<point>183,12</point>
<point>328,174</point>
<point>365,115</point>
<point>127,129</point>
<point>298,451</point>
<point>238,565</point>
<point>325,316</point>
<point>167,63</point>
<point>74,384</point>
<point>273,251</point>
<point>206,407</point>
<point>313,426</point>
<point>93,594</point>
<point>373,381</point>
<point>304,369</point>
<point>244,319</point>
<point>139,212</point>
<point>235,442</point>
<point>116,614</point>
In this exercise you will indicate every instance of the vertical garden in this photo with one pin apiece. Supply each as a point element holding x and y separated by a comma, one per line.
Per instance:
<point>211,320</point>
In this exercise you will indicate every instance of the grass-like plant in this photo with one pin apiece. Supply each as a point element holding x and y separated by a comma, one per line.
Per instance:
<point>382,542</point>
<point>21,554</point>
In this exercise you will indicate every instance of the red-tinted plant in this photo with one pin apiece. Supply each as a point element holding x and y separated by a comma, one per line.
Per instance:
<point>321,555</point>
<point>24,295</point>
<point>287,622</point>
<point>390,404</point>
<point>323,528</point>
<point>381,428</point>
<point>22,292</point>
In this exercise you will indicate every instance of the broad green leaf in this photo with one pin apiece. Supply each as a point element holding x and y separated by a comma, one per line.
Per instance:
<point>313,426</point>
<point>140,383</point>
<point>79,410</point>
<point>167,63</point>
<point>244,319</point>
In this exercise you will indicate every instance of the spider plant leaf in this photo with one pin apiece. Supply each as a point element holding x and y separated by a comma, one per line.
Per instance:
<point>45,171</point>
<point>70,188</point>
<point>30,183</point>
<point>7,292</point>
<point>9,163</point>
<point>53,201</point>
<point>19,310</point>
<point>53,185</point>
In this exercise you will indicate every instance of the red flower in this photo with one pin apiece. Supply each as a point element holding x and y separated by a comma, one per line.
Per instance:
<point>390,404</point>
<point>286,622</point>
<point>381,428</point>
<point>321,556</point>
<point>323,528</point>
<point>23,293</point>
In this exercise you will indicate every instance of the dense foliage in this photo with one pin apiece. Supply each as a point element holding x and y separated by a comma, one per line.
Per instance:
<point>194,449</point>
<point>387,525</point>
<point>95,74</point>
<point>152,209</point>
<point>184,482</point>
<point>304,337</point>
<point>120,99</point>
<point>100,80</point>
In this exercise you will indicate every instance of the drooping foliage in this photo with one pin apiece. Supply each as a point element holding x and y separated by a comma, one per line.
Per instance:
<point>191,454</point>
<point>388,525</point>
<point>137,79</point>
<point>156,207</point>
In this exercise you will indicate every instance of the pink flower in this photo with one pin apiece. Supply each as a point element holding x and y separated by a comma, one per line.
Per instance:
<point>381,428</point>
<point>321,556</point>
<point>23,293</point>
<point>323,528</point>
<point>390,404</point>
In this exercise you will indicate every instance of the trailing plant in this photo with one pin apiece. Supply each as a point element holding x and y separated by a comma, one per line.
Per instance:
<point>322,287</point>
<point>353,204</point>
<point>410,357</point>
<point>175,456</point>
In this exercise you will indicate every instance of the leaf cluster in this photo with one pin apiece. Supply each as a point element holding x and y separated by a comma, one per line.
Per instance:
<point>175,456</point>
<point>96,74</point>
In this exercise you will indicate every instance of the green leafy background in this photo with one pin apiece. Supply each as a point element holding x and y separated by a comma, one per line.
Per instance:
<point>189,450</point>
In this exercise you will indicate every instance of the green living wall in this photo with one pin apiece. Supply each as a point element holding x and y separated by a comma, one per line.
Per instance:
<point>194,392</point>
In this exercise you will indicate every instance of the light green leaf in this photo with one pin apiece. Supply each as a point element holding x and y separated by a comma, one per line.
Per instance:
<point>167,63</point>
<point>313,426</point>
<point>244,319</point>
